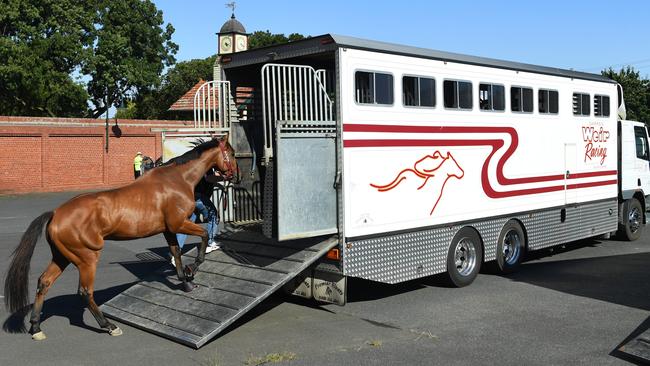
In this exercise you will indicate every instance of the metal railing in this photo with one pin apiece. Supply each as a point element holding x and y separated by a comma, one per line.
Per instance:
<point>295,94</point>
<point>212,105</point>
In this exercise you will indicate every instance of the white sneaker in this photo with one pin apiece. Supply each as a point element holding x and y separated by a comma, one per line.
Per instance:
<point>173,262</point>
<point>212,246</point>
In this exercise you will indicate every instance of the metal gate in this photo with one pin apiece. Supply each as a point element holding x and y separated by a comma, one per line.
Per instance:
<point>299,118</point>
<point>212,105</point>
<point>295,94</point>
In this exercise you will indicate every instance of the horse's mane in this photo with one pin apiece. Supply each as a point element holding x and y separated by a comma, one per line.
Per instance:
<point>195,153</point>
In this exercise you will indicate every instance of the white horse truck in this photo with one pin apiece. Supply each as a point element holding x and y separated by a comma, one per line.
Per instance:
<point>403,162</point>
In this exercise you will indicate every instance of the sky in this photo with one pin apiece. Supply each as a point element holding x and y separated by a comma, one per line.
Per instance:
<point>571,34</point>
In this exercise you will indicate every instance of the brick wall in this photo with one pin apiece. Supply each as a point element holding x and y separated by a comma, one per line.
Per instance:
<point>39,154</point>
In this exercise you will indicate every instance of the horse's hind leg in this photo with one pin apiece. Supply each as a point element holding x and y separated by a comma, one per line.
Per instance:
<point>86,290</point>
<point>51,273</point>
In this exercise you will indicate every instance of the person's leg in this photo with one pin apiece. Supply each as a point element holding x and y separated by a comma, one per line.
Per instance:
<point>182,237</point>
<point>213,220</point>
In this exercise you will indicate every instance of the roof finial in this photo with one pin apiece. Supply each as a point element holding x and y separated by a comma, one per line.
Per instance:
<point>231,5</point>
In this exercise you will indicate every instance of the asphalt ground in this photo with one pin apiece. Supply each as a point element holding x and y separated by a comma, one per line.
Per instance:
<point>571,306</point>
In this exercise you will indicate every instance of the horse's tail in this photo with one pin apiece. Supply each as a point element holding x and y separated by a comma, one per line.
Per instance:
<point>16,296</point>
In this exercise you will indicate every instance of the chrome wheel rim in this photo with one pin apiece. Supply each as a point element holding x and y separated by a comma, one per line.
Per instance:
<point>634,220</point>
<point>511,248</point>
<point>465,256</point>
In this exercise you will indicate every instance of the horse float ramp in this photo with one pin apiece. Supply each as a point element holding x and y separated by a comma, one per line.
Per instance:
<point>638,347</point>
<point>247,269</point>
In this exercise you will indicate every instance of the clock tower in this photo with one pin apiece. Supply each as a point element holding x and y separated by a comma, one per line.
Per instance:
<point>232,37</point>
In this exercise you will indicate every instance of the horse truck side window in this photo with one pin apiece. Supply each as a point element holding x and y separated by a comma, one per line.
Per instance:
<point>373,88</point>
<point>547,101</point>
<point>491,97</point>
<point>418,91</point>
<point>521,99</point>
<point>581,105</point>
<point>601,105</point>
<point>457,94</point>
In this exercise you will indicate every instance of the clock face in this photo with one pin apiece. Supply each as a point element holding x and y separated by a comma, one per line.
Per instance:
<point>241,44</point>
<point>226,45</point>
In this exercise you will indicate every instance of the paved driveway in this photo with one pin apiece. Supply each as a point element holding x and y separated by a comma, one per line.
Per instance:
<point>571,306</point>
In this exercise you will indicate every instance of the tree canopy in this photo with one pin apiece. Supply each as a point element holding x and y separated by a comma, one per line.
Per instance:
<point>636,92</point>
<point>153,103</point>
<point>56,55</point>
<point>266,38</point>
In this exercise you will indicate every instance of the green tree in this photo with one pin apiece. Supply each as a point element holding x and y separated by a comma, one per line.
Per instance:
<point>42,42</point>
<point>154,103</point>
<point>131,51</point>
<point>266,38</point>
<point>121,47</point>
<point>636,91</point>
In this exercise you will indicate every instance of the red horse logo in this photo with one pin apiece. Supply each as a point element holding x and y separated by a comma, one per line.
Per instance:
<point>425,169</point>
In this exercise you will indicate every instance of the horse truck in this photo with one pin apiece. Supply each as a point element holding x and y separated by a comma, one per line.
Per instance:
<point>390,163</point>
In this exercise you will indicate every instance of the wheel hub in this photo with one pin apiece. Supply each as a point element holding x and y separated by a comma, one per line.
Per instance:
<point>465,256</point>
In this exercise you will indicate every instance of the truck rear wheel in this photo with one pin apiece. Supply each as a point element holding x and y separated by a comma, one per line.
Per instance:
<point>464,257</point>
<point>632,224</point>
<point>510,247</point>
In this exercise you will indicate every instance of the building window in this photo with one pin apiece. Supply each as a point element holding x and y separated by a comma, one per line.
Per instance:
<point>418,91</point>
<point>548,101</point>
<point>581,104</point>
<point>373,88</point>
<point>491,97</point>
<point>601,105</point>
<point>457,94</point>
<point>521,99</point>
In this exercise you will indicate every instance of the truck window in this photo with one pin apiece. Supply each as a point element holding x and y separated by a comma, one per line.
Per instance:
<point>491,97</point>
<point>457,94</point>
<point>547,101</point>
<point>641,140</point>
<point>418,91</point>
<point>601,105</point>
<point>521,99</point>
<point>373,88</point>
<point>581,104</point>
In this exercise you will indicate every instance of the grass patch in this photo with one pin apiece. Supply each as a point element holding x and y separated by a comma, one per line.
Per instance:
<point>270,358</point>
<point>214,360</point>
<point>374,343</point>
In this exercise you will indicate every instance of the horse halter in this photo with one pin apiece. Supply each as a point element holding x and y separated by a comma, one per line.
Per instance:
<point>226,159</point>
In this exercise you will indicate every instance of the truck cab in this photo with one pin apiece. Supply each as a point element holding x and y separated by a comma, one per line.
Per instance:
<point>634,178</point>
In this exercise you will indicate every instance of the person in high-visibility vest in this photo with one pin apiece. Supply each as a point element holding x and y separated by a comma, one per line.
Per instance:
<point>137,165</point>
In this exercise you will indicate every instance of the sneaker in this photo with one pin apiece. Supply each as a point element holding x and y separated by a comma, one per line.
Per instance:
<point>212,246</point>
<point>173,262</point>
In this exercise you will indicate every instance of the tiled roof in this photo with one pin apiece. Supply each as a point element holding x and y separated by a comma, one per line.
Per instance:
<point>186,102</point>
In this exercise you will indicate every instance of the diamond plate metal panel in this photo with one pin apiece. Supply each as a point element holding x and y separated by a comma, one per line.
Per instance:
<point>406,256</point>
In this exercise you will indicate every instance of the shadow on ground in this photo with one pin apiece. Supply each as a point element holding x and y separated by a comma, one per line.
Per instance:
<point>618,279</point>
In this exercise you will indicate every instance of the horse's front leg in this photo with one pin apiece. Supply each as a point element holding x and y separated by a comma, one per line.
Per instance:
<point>186,281</point>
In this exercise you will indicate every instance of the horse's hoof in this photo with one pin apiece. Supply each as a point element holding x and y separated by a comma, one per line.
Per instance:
<point>188,286</point>
<point>38,336</point>
<point>115,332</point>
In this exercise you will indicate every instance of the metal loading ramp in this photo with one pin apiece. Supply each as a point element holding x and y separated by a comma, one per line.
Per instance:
<point>247,269</point>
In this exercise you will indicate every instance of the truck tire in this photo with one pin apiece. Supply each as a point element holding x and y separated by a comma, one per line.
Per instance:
<point>510,247</point>
<point>464,257</point>
<point>632,225</point>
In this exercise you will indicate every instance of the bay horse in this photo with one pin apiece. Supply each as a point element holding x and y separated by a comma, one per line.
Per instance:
<point>158,202</point>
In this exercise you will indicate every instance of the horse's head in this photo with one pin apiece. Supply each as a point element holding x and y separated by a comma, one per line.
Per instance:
<point>454,170</point>
<point>226,163</point>
<point>432,165</point>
